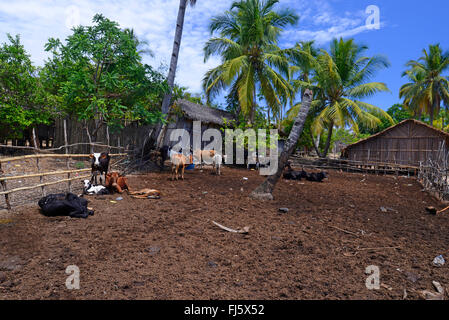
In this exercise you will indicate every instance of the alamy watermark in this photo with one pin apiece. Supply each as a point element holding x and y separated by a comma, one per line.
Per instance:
<point>73,281</point>
<point>73,17</point>
<point>373,20</point>
<point>373,281</point>
<point>261,148</point>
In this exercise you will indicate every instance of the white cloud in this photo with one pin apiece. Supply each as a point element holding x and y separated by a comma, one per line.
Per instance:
<point>155,21</point>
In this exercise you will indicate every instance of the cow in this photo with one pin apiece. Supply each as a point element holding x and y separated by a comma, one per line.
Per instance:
<point>204,156</point>
<point>90,189</point>
<point>116,182</point>
<point>179,160</point>
<point>63,204</point>
<point>100,164</point>
<point>217,162</point>
<point>317,177</point>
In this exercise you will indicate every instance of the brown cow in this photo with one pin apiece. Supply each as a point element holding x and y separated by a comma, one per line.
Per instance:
<point>116,182</point>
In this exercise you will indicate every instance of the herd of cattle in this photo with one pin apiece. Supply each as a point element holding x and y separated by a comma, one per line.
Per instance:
<point>76,206</point>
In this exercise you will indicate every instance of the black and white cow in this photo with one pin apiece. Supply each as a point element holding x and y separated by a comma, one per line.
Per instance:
<point>100,165</point>
<point>90,189</point>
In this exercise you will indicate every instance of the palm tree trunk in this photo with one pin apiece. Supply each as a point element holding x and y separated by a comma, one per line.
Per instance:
<point>328,141</point>
<point>265,190</point>
<point>175,54</point>
<point>432,109</point>
<point>316,144</point>
<point>173,63</point>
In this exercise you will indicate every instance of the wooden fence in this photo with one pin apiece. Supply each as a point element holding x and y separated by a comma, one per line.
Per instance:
<point>370,167</point>
<point>4,178</point>
<point>434,174</point>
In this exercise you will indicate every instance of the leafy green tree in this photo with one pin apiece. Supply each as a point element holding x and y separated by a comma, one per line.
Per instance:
<point>99,75</point>
<point>397,112</point>
<point>23,101</point>
<point>251,59</point>
<point>428,86</point>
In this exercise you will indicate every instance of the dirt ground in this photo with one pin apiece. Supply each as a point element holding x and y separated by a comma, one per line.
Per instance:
<point>170,249</point>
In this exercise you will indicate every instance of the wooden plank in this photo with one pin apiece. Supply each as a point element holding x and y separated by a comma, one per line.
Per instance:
<point>40,156</point>
<point>42,185</point>
<point>43,174</point>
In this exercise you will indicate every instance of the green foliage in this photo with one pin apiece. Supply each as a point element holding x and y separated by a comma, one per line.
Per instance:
<point>23,101</point>
<point>428,86</point>
<point>397,112</point>
<point>79,165</point>
<point>251,60</point>
<point>259,124</point>
<point>98,74</point>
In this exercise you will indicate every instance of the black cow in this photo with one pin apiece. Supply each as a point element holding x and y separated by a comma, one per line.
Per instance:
<point>63,204</point>
<point>317,177</point>
<point>290,174</point>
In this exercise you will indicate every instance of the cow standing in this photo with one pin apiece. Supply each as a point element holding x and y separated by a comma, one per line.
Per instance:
<point>100,165</point>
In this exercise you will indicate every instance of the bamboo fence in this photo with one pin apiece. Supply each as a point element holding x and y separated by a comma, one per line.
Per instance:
<point>4,178</point>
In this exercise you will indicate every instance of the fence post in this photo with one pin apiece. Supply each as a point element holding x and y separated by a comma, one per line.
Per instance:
<point>41,178</point>
<point>69,183</point>
<point>3,183</point>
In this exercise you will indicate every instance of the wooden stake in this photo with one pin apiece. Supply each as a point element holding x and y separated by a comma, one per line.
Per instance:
<point>67,161</point>
<point>5,189</point>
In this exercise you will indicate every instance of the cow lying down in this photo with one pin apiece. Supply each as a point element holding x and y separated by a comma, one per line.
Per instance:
<point>63,204</point>
<point>90,189</point>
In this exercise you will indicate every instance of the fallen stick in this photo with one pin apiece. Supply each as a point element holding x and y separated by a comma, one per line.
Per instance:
<point>245,230</point>
<point>382,248</point>
<point>433,210</point>
<point>345,231</point>
<point>441,211</point>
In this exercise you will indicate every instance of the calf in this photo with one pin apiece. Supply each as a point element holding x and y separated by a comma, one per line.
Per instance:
<point>65,205</point>
<point>100,164</point>
<point>178,160</point>
<point>116,182</point>
<point>146,194</point>
<point>90,189</point>
<point>217,162</point>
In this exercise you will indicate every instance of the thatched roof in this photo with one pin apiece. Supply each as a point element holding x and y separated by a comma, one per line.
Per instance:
<point>205,114</point>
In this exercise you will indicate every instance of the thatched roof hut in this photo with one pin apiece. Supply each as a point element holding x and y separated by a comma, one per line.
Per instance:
<point>188,112</point>
<point>205,114</point>
<point>407,143</point>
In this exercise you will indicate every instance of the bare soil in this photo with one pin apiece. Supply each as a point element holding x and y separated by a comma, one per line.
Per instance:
<point>170,249</point>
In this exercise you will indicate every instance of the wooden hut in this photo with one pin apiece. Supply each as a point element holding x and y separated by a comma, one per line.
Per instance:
<point>408,143</point>
<point>187,112</point>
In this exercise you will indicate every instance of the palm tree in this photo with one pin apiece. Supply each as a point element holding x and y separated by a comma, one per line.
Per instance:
<point>428,87</point>
<point>340,81</point>
<point>265,190</point>
<point>251,59</point>
<point>174,59</point>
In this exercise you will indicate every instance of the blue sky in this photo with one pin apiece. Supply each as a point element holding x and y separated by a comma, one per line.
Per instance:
<point>406,28</point>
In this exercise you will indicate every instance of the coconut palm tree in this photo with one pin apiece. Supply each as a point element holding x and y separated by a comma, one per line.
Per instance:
<point>251,59</point>
<point>176,47</point>
<point>265,190</point>
<point>340,80</point>
<point>428,87</point>
<point>173,63</point>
